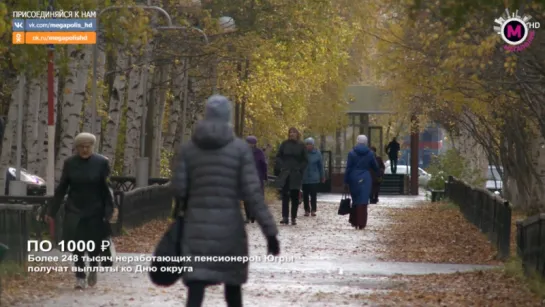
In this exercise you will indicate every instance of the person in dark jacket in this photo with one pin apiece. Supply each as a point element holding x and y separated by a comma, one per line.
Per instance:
<point>357,179</point>
<point>376,177</point>
<point>392,150</point>
<point>313,175</point>
<point>291,160</point>
<point>89,205</point>
<point>261,164</point>
<point>213,173</point>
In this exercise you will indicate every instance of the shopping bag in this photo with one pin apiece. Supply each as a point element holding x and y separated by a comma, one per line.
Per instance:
<point>344,206</point>
<point>170,246</point>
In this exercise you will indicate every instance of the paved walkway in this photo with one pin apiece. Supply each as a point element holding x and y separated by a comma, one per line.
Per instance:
<point>334,266</point>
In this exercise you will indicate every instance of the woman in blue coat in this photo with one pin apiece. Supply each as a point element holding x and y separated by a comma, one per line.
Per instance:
<point>357,179</point>
<point>313,175</point>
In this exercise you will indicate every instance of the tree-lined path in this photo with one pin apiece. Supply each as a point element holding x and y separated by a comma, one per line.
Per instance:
<point>334,266</point>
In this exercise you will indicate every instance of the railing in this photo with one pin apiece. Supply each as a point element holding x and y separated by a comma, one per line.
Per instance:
<point>144,204</point>
<point>22,217</point>
<point>3,250</point>
<point>490,213</point>
<point>531,244</point>
<point>122,183</point>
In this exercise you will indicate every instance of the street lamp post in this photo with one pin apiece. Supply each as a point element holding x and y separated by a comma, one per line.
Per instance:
<point>142,163</point>
<point>227,25</point>
<point>186,84</point>
<point>95,54</point>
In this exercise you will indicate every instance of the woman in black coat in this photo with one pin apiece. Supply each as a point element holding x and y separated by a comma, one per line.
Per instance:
<point>89,205</point>
<point>291,160</point>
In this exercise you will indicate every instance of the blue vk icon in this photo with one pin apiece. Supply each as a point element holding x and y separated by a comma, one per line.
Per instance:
<point>18,24</point>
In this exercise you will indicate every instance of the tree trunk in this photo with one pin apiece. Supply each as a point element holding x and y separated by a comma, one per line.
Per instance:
<point>73,97</point>
<point>115,108</point>
<point>32,124</point>
<point>10,128</point>
<point>161,89</point>
<point>134,117</point>
<point>473,153</point>
<point>101,75</point>
<point>150,117</point>
<point>177,87</point>
<point>87,115</point>
<point>41,155</point>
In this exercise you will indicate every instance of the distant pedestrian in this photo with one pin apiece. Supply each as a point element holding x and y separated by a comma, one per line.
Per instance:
<point>213,173</point>
<point>377,177</point>
<point>89,206</point>
<point>261,164</point>
<point>392,150</point>
<point>313,175</point>
<point>291,161</point>
<point>357,179</point>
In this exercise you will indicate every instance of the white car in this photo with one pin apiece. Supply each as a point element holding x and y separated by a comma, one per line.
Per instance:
<point>423,176</point>
<point>494,182</point>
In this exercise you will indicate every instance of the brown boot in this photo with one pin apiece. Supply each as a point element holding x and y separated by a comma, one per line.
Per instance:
<point>313,213</point>
<point>307,213</point>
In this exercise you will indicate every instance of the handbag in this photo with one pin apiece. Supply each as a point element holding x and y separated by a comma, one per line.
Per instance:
<point>344,206</point>
<point>165,266</point>
<point>165,273</point>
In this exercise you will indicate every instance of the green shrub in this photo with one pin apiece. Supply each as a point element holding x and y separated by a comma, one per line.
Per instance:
<point>451,163</point>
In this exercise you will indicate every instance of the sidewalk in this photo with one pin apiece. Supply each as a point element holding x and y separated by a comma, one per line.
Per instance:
<point>335,265</point>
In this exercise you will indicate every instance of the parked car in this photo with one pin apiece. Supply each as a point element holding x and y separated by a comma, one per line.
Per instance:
<point>35,184</point>
<point>423,176</point>
<point>494,181</point>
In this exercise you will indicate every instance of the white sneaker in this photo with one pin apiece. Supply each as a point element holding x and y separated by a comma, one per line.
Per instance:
<point>80,283</point>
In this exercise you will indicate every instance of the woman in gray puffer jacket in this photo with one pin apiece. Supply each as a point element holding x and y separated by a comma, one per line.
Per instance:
<point>214,172</point>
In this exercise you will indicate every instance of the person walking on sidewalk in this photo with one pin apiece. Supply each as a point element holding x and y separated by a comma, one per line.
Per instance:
<point>313,175</point>
<point>392,150</point>
<point>89,206</point>
<point>261,164</point>
<point>357,178</point>
<point>377,177</point>
<point>291,160</point>
<point>214,172</point>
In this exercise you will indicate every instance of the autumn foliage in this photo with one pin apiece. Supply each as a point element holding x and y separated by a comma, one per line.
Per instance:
<point>451,67</point>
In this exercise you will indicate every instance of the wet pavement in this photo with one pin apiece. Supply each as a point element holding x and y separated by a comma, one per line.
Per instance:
<point>329,264</point>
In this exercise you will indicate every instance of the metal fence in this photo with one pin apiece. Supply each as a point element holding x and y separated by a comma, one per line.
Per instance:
<point>490,213</point>
<point>144,204</point>
<point>122,183</point>
<point>531,244</point>
<point>22,217</point>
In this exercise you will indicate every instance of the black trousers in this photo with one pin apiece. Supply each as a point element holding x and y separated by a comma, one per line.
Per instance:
<point>87,230</point>
<point>195,294</point>
<point>287,196</point>
<point>375,189</point>
<point>393,165</point>
<point>310,192</point>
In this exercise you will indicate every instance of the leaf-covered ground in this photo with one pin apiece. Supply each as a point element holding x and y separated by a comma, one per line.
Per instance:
<point>18,285</point>
<point>398,229</point>
<point>435,232</point>
<point>142,239</point>
<point>482,288</point>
